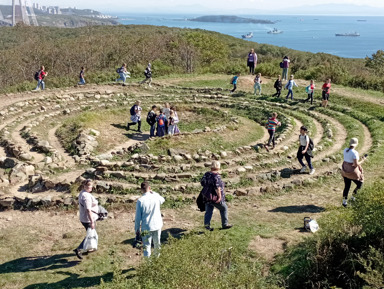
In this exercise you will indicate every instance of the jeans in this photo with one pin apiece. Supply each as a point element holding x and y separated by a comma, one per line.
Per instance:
<point>257,87</point>
<point>310,97</point>
<point>152,130</point>
<point>285,74</point>
<point>290,92</point>
<point>171,129</point>
<point>41,83</point>
<point>147,241</point>
<point>222,207</point>
<point>271,137</point>
<point>347,186</point>
<point>86,226</point>
<point>306,155</point>
<point>123,77</point>
<point>82,81</point>
<point>278,91</point>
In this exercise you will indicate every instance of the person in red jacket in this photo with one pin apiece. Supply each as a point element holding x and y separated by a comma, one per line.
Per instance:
<point>40,79</point>
<point>326,89</point>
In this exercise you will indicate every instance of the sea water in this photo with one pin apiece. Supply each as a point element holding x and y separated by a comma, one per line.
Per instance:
<point>305,33</point>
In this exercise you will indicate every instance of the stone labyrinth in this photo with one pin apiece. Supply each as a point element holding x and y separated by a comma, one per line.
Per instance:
<point>40,169</point>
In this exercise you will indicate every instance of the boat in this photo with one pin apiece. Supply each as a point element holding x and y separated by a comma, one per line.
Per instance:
<point>247,36</point>
<point>361,20</point>
<point>275,31</point>
<point>353,34</point>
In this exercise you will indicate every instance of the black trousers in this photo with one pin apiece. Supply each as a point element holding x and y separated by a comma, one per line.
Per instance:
<point>234,88</point>
<point>310,97</point>
<point>251,67</point>
<point>347,186</point>
<point>278,92</point>
<point>134,123</point>
<point>271,137</point>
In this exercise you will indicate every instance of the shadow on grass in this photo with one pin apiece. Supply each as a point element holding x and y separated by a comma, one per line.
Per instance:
<point>41,263</point>
<point>174,232</point>
<point>287,173</point>
<point>132,134</point>
<point>298,209</point>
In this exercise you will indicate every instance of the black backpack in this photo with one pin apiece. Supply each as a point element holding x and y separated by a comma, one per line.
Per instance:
<point>209,190</point>
<point>281,64</point>
<point>119,70</point>
<point>151,118</point>
<point>132,110</point>
<point>311,144</point>
<point>36,75</point>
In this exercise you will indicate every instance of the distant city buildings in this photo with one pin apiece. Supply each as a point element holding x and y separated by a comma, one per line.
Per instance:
<point>47,9</point>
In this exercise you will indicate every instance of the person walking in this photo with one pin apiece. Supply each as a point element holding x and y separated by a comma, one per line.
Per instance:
<point>123,73</point>
<point>326,89</point>
<point>148,75</point>
<point>271,125</point>
<point>310,90</point>
<point>39,76</point>
<point>81,76</point>
<point>151,120</point>
<point>234,82</point>
<point>135,112</point>
<point>161,119</point>
<point>257,84</point>
<point>148,219</point>
<point>252,61</point>
<point>352,170</point>
<point>88,206</point>
<point>285,64</point>
<point>278,86</point>
<point>289,86</point>
<point>214,196</point>
<point>305,150</point>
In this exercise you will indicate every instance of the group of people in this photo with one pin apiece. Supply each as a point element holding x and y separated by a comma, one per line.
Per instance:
<point>166,122</point>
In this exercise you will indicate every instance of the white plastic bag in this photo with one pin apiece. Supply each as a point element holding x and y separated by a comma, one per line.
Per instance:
<point>313,226</point>
<point>91,240</point>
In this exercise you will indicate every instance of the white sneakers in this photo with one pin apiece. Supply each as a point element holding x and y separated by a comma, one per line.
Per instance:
<point>303,169</point>
<point>345,202</point>
<point>311,172</point>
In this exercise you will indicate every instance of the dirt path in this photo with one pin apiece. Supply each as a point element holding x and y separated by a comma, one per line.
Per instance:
<point>54,142</point>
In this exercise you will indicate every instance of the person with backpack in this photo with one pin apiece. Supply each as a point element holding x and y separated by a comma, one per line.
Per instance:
<point>81,76</point>
<point>257,84</point>
<point>214,196</point>
<point>148,219</point>
<point>39,77</point>
<point>252,61</point>
<point>310,90</point>
<point>285,66</point>
<point>278,86</point>
<point>123,73</point>
<point>161,119</point>
<point>148,75</point>
<point>151,120</point>
<point>234,82</point>
<point>88,205</point>
<point>326,88</point>
<point>289,86</point>
<point>352,170</point>
<point>271,125</point>
<point>135,112</point>
<point>176,120</point>
<point>305,150</point>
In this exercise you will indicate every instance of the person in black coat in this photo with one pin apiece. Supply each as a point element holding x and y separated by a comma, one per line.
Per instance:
<point>278,86</point>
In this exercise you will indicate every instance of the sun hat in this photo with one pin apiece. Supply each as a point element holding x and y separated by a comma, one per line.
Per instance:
<point>353,142</point>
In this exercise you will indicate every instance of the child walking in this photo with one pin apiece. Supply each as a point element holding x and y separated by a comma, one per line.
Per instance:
<point>289,86</point>
<point>271,125</point>
<point>257,85</point>
<point>234,82</point>
<point>305,151</point>
<point>310,89</point>
<point>81,76</point>
<point>278,86</point>
<point>326,90</point>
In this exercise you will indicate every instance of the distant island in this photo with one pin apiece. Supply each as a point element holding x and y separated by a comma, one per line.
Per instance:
<point>230,19</point>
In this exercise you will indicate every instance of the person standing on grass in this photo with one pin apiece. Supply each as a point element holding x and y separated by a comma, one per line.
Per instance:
<point>148,219</point>
<point>289,86</point>
<point>161,119</point>
<point>135,112</point>
<point>213,185</point>
<point>151,120</point>
<point>171,122</point>
<point>234,82</point>
<point>166,112</point>
<point>271,125</point>
<point>148,75</point>
<point>310,90</point>
<point>81,76</point>
<point>326,89</point>
<point>252,61</point>
<point>352,170</point>
<point>88,205</point>
<point>40,75</point>
<point>176,120</point>
<point>285,67</point>
<point>278,86</point>
<point>257,85</point>
<point>305,151</point>
<point>123,73</point>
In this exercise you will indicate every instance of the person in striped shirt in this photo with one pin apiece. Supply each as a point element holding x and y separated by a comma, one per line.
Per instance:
<point>271,125</point>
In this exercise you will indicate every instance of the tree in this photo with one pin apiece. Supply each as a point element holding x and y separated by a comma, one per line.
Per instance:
<point>376,62</point>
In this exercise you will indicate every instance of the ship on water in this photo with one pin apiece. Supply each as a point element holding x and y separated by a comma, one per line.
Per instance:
<point>275,31</point>
<point>247,36</point>
<point>353,34</point>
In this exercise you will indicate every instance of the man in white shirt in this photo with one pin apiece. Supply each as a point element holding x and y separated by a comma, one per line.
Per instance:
<point>148,216</point>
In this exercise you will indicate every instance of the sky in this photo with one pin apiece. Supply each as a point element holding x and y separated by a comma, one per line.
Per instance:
<point>211,6</point>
